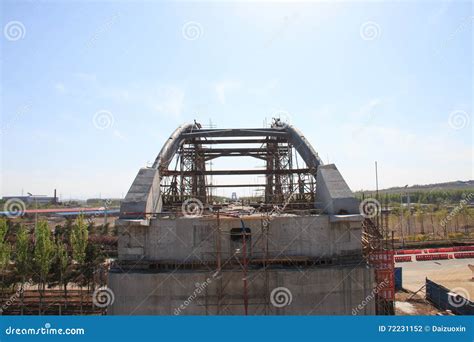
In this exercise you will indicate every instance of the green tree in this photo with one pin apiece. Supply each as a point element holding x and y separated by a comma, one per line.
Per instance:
<point>443,221</point>
<point>407,216</point>
<point>5,250</point>
<point>430,211</point>
<point>79,238</point>
<point>63,264</point>
<point>420,216</point>
<point>92,261</point>
<point>5,247</point>
<point>44,254</point>
<point>23,258</point>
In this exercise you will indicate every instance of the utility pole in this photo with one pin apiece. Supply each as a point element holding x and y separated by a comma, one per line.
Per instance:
<point>36,209</point>
<point>105,212</point>
<point>376,182</point>
<point>401,219</point>
<point>409,213</point>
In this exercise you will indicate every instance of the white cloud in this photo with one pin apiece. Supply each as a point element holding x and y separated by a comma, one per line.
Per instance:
<point>435,15</point>
<point>266,88</point>
<point>223,87</point>
<point>367,110</point>
<point>169,101</point>
<point>165,99</point>
<point>405,156</point>
<point>323,113</point>
<point>119,134</point>
<point>117,94</point>
<point>85,76</point>
<point>60,87</point>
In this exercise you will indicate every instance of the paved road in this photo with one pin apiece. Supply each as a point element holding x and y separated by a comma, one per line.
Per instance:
<point>453,273</point>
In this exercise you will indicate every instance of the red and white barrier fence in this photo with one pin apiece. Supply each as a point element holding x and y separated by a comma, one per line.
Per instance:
<point>424,257</point>
<point>464,255</point>
<point>404,258</point>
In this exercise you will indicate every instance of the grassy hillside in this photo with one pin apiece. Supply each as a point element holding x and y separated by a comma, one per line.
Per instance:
<point>449,192</point>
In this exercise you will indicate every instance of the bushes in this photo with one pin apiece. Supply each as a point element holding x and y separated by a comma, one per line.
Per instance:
<point>457,235</point>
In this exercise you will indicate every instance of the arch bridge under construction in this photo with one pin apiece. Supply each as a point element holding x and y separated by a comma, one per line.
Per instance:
<point>301,246</point>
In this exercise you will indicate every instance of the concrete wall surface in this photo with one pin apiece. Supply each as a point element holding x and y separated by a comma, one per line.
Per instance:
<point>196,239</point>
<point>333,195</point>
<point>311,291</point>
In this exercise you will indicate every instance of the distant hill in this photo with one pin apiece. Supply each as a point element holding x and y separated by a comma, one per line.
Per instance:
<point>456,185</point>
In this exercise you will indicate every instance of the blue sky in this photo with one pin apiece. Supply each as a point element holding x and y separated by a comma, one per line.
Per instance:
<point>364,81</point>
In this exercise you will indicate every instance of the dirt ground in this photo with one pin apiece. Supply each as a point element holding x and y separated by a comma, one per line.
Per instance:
<point>408,305</point>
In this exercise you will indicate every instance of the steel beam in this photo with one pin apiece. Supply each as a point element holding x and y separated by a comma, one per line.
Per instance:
<point>233,172</point>
<point>229,186</point>
<point>234,141</point>
<point>236,132</point>
<point>233,150</point>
